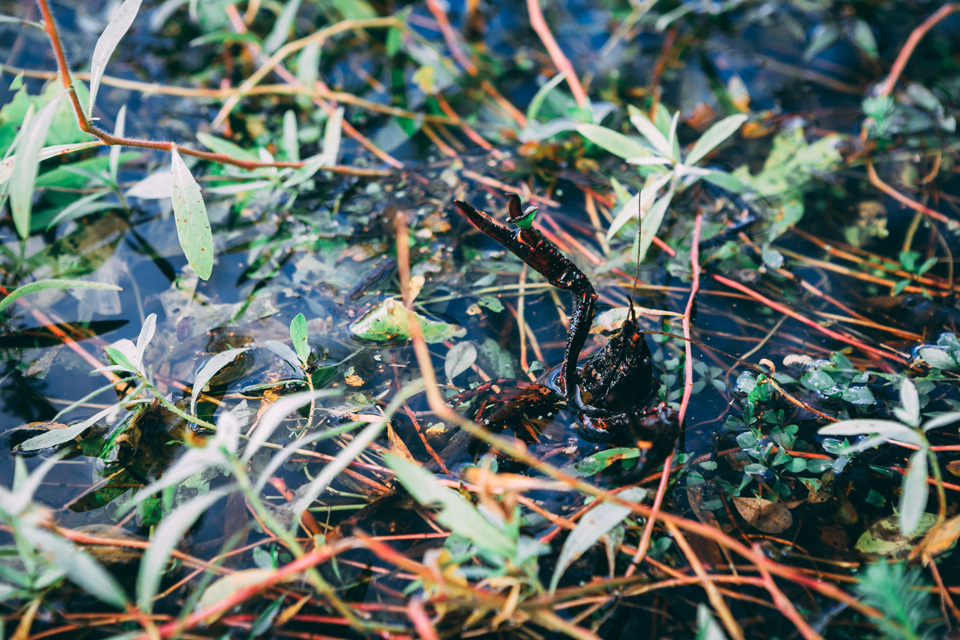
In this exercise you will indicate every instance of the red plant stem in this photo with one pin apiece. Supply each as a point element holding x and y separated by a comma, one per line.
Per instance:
<point>421,621</point>
<point>783,603</point>
<point>556,54</point>
<point>685,400</point>
<point>905,200</point>
<point>886,87</point>
<point>451,37</point>
<point>807,321</point>
<point>310,559</point>
<point>221,158</point>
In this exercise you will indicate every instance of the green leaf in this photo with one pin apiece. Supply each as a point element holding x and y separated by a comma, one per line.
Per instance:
<point>291,137</point>
<point>913,499</point>
<point>106,44</point>
<point>281,28</point>
<point>888,428</point>
<point>910,401</point>
<point>884,539</point>
<point>938,358</point>
<point>650,131</point>
<point>941,420</point>
<point>456,513</point>
<point>166,537</point>
<point>863,36</point>
<point>190,213</point>
<point>82,569</point>
<point>6,166</point>
<point>612,141</point>
<point>460,358</point>
<point>331,137</point>
<point>210,369</point>
<point>227,148</point>
<point>534,107</point>
<point>594,525</point>
<point>57,283</point>
<point>56,437</point>
<point>713,137</point>
<point>26,165</point>
<point>298,335</point>
<point>650,224</point>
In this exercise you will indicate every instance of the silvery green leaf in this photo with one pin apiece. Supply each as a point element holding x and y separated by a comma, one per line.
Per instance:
<point>534,107</point>
<point>863,427</point>
<point>650,224</point>
<point>14,502</point>
<point>291,137</point>
<point>165,539</point>
<point>59,283</point>
<point>672,140</point>
<point>26,164</point>
<point>82,569</point>
<point>913,500</point>
<point>331,137</point>
<point>118,131</point>
<point>941,420</point>
<point>55,437</point>
<point>209,369</point>
<point>190,213</point>
<point>275,415</point>
<point>613,141</point>
<point>147,332</point>
<point>281,27</point>
<point>650,131</point>
<point>910,401</point>
<point>707,627</point>
<point>594,525</point>
<point>286,353</point>
<point>107,42</point>
<point>713,137</point>
<point>6,166</point>
<point>190,463</point>
<point>156,186</point>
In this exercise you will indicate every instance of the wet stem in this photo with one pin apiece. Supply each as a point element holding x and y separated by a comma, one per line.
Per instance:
<point>144,382</point>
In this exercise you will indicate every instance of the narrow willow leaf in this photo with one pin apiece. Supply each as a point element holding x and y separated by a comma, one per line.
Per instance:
<point>56,437</point>
<point>456,513</point>
<point>593,526</point>
<point>613,141</point>
<point>82,569</point>
<point>118,131</point>
<point>331,137</point>
<point>913,500</point>
<point>61,283</point>
<point>910,401</point>
<point>6,166</point>
<point>713,136</point>
<point>190,213</point>
<point>460,358</point>
<point>165,539</point>
<point>298,335</point>
<point>650,224</point>
<point>275,415</point>
<point>227,148</point>
<point>281,28</point>
<point>887,428</point>
<point>941,420</point>
<point>106,44</point>
<point>534,107</point>
<point>210,369</point>
<point>147,332</point>
<point>291,137</point>
<point>650,131</point>
<point>26,164</point>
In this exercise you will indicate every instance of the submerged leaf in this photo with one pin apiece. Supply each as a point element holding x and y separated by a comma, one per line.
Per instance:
<point>210,369</point>
<point>460,358</point>
<point>387,322</point>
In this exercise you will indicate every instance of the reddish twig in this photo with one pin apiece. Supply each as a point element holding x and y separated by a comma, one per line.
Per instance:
<point>886,87</point>
<point>556,54</point>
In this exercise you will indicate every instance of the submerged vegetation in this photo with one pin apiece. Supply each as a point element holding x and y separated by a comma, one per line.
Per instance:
<point>263,378</point>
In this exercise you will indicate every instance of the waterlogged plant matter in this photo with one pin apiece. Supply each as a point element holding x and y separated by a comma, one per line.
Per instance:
<point>911,430</point>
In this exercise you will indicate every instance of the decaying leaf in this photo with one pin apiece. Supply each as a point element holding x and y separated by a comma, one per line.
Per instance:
<point>765,515</point>
<point>883,538</point>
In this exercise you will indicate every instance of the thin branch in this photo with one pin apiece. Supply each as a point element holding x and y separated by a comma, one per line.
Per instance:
<point>886,87</point>
<point>556,53</point>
